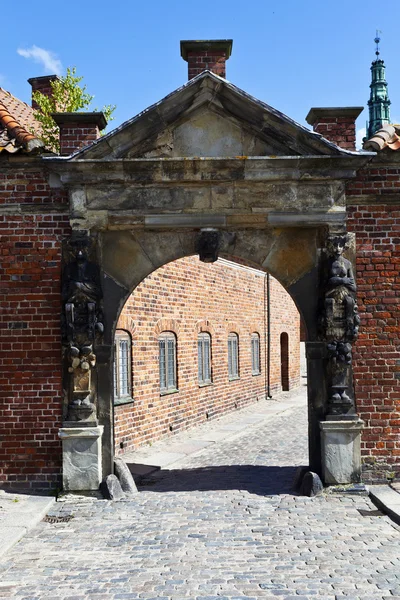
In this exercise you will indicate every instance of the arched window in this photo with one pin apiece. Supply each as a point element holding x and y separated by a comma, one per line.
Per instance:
<point>255,354</point>
<point>122,365</point>
<point>167,360</point>
<point>204,358</point>
<point>285,361</point>
<point>233,356</point>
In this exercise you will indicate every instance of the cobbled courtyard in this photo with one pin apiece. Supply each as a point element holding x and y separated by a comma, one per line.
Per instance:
<point>224,523</point>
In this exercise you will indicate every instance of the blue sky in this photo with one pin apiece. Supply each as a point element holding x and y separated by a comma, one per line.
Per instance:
<point>292,54</point>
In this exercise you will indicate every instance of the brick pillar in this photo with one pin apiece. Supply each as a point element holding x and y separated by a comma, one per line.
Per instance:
<point>43,85</point>
<point>78,130</point>
<point>206,55</point>
<point>337,125</point>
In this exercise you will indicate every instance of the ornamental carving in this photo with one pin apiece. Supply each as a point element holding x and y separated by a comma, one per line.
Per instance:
<point>339,324</point>
<point>208,245</point>
<point>82,324</point>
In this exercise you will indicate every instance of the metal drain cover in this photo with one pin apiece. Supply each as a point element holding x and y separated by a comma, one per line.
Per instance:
<point>57,519</point>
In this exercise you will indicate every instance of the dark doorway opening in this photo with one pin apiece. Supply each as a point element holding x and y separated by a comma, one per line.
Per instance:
<point>285,361</point>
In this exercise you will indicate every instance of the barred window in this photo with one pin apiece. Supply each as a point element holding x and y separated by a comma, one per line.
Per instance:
<point>204,358</point>
<point>122,365</point>
<point>255,354</point>
<point>233,356</point>
<point>167,359</point>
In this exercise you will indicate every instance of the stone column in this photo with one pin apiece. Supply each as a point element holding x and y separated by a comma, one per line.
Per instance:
<point>339,323</point>
<point>317,401</point>
<point>82,330</point>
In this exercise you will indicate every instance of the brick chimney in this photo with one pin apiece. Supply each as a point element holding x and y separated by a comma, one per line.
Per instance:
<point>206,55</point>
<point>337,125</point>
<point>78,130</point>
<point>41,84</point>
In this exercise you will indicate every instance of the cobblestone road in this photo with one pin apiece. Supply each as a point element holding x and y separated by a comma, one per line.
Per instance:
<point>222,524</point>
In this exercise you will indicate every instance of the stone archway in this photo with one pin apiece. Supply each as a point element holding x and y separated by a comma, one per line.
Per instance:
<point>293,256</point>
<point>150,192</point>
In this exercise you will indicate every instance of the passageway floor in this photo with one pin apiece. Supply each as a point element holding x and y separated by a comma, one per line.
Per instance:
<point>221,522</point>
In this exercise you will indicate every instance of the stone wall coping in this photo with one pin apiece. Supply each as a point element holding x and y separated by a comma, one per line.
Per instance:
<point>350,112</point>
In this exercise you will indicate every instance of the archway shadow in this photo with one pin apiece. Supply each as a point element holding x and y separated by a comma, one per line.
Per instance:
<point>261,480</point>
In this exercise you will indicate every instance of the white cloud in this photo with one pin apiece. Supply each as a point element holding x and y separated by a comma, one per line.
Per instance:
<point>51,64</point>
<point>360,134</point>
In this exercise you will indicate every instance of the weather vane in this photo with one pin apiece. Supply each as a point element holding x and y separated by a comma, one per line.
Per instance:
<point>377,40</point>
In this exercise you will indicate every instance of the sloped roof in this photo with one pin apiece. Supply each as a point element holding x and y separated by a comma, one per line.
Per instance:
<point>17,123</point>
<point>289,137</point>
<point>386,137</point>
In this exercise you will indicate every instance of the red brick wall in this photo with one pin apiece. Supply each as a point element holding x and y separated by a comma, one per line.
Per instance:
<point>74,137</point>
<point>340,130</point>
<point>30,348</point>
<point>187,297</point>
<point>377,352</point>
<point>211,60</point>
<point>285,318</point>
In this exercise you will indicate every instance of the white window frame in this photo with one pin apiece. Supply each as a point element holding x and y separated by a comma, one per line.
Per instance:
<point>122,366</point>
<point>233,356</point>
<point>204,358</point>
<point>255,354</point>
<point>168,378</point>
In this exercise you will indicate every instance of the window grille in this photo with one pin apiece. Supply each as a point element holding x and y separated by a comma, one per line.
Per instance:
<point>233,356</point>
<point>255,354</point>
<point>167,360</point>
<point>204,358</point>
<point>122,365</point>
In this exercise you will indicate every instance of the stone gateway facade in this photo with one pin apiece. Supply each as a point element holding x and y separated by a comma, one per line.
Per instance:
<point>210,172</point>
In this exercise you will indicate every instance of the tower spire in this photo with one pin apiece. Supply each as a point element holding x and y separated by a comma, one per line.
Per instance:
<point>378,103</point>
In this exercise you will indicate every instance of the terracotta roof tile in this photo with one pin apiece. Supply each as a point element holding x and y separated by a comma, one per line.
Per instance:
<point>19,130</point>
<point>386,137</point>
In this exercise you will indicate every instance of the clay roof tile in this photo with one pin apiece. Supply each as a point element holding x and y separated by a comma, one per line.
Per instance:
<point>386,137</point>
<point>18,126</point>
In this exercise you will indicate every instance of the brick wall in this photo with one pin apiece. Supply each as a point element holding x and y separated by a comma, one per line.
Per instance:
<point>30,349</point>
<point>188,297</point>
<point>376,223</point>
<point>340,130</point>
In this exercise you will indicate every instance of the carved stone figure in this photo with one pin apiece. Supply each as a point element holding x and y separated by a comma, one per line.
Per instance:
<point>82,323</point>
<point>208,245</point>
<point>341,317</point>
<point>339,322</point>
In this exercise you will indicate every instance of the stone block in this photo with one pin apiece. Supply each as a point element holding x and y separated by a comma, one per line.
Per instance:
<point>111,488</point>
<point>82,467</point>
<point>341,451</point>
<point>124,475</point>
<point>311,485</point>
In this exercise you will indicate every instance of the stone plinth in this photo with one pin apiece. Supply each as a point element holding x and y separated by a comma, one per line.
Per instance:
<point>341,451</point>
<point>82,469</point>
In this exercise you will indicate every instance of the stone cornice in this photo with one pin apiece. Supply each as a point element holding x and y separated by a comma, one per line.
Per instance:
<point>186,170</point>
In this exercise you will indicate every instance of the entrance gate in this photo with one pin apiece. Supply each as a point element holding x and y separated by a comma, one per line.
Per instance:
<point>144,196</point>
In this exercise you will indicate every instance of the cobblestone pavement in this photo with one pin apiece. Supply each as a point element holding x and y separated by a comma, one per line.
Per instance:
<point>222,524</point>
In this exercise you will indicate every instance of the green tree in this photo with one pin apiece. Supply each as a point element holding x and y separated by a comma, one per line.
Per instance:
<point>67,96</point>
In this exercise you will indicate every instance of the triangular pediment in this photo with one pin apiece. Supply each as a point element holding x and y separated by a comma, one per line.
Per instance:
<point>209,117</point>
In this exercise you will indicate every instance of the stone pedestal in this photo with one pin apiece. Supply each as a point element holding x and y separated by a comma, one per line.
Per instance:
<point>82,469</point>
<point>341,451</point>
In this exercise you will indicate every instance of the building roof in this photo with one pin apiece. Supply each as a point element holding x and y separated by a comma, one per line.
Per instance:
<point>386,137</point>
<point>19,130</point>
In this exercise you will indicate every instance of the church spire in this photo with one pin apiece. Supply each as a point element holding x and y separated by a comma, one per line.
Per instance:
<point>378,103</point>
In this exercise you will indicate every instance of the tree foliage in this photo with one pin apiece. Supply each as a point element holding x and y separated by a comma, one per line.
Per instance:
<point>67,96</point>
